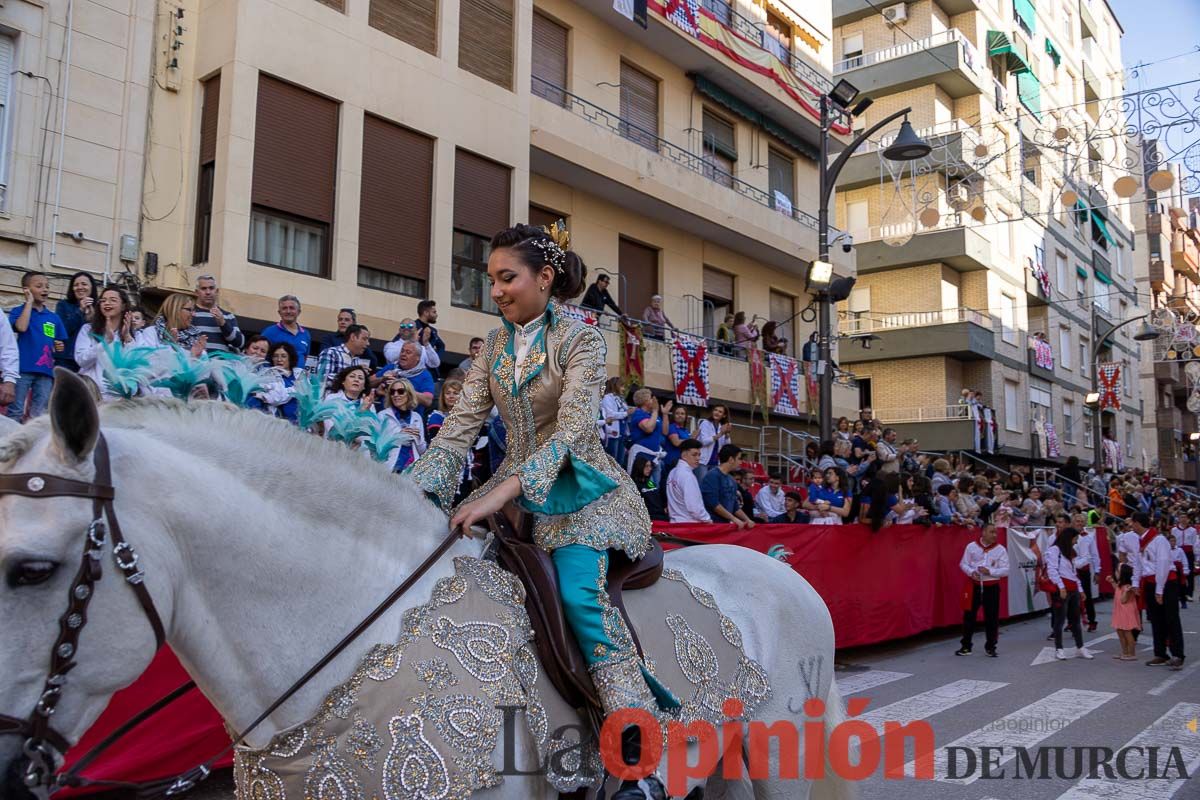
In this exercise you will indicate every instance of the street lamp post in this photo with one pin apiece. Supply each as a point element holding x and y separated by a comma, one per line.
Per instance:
<point>907,147</point>
<point>1145,334</point>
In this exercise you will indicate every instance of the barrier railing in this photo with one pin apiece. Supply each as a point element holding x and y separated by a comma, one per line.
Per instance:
<point>872,323</point>
<point>946,413</point>
<point>950,36</point>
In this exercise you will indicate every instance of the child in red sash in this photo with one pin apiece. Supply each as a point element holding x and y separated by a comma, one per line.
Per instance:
<point>1060,567</point>
<point>983,564</point>
<point>1156,576</point>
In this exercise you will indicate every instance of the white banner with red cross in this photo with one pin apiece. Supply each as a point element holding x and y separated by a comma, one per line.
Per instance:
<point>684,13</point>
<point>787,377</point>
<point>587,316</point>
<point>689,367</point>
<point>1109,378</point>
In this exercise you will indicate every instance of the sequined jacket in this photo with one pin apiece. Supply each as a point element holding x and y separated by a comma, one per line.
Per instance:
<point>577,493</point>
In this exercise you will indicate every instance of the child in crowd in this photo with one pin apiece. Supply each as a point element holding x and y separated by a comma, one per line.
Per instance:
<point>1125,616</point>
<point>40,335</point>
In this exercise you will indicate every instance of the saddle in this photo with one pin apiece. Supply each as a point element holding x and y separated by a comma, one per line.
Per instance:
<point>557,649</point>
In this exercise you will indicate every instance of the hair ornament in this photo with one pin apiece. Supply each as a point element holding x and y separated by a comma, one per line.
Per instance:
<point>555,249</point>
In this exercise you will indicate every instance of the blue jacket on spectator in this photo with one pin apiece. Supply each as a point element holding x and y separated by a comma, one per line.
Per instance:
<point>717,488</point>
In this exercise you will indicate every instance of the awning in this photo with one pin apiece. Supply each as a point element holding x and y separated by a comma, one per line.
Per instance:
<point>1023,9</point>
<point>1013,50</point>
<point>1052,51</point>
<point>1029,91</point>
<point>738,106</point>
<point>1102,276</point>
<point>1100,225</point>
<point>803,28</point>
<point>1081,272</point>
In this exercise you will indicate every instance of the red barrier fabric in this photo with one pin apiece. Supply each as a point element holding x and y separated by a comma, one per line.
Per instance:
<point>890,584</point>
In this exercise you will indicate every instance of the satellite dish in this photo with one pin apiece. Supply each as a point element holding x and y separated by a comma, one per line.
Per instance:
<point>1126,186</point>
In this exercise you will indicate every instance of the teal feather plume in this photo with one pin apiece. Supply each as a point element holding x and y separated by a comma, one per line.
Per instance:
<point>240,378</point>
<point>125,369</point>
<point>383,439</point>
<point>351,422</point>
<point>180,372</point>
<point>310,407</point>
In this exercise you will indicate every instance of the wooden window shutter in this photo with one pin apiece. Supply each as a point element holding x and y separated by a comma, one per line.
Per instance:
<point>411,21</point>
<point>718,284</point>
<point>549,58</point>
<point>720,136</point>
<point>295,150</point>
<point>639,105</point>
<point>396,212</point>
<point>639,265</point>
<point>485,40</point>
<point>782,174</point>
<point>336,5</point>
<point>543,217</point>
<point>481,194</point>
<point>209,110</point>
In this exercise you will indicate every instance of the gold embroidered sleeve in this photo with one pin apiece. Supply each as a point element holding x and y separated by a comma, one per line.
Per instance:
<point>439,470</point>
<point>556,479</point>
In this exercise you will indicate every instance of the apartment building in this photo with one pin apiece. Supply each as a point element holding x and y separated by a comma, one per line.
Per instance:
<point>74,92</point>
<point>1168,235</point>
<point>1008,237</point>
<point>360,153</point>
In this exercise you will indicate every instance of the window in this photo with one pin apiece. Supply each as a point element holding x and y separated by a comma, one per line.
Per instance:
<point>485,40</point>
<point>1119,257</point>
<point>781,179</point>
<point>852,51</point>
<point>1004,234</point>
<point>549,59</point>
<point>482,190</point>
<point>1060,272</point>
<point>1081,288</point>
<point>1127,377</point>
<point>639,107</point>
<point>720,149</point>
<point>777,37</point>
<point>397,184</point>
<point>1008,316</point>
<point>858,219</point>
<point>1068,414</point>
<point>1123,314</point>
<point>206,171</point>
<point>1128,438</point>
<point>783,312</point>
<point>336,5</point>
<point>411,21</point>
<point>295,168</point>
<point>1083,356</point>
<point>1089,435</point>
<point>718,301</point>
<point>639,264</point>
<point>1012,410</point>
<point>1064,347</point>
<point>1101,299</point>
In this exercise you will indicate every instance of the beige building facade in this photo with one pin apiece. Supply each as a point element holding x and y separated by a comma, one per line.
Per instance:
<point>949,252</point>
<point>359,153</point>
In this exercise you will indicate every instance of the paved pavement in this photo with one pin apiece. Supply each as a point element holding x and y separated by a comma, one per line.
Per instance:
<point>1025,698</point>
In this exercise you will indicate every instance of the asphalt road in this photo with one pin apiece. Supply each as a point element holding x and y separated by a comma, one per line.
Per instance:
<point>1022,699</point>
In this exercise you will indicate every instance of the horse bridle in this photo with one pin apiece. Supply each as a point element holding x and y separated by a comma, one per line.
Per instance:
<point>41,739</point>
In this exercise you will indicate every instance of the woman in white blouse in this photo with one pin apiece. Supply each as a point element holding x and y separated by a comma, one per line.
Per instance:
<point>713,434</point>
<point>400,412</point>
<point>613,412</point>
<point>112,323</point>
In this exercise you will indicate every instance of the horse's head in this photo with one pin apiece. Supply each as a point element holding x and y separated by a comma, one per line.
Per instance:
<point>41,549</point>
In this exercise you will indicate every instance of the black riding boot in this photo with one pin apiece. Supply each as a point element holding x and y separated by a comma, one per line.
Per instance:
<point>631,753</point>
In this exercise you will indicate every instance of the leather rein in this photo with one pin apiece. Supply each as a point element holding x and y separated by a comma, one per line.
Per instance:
<point>41,740</point>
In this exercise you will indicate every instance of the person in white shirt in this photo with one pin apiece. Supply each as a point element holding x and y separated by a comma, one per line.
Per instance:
<point>1087,564</point>
<point>1155,577</point>
<point>10,363</point>
<point>769,503</point>
<point>684,501</point>
<point>1060,568</point>
<point>713,434</point>
<point>1187,540</point>
<point>1181,567</point>
<point>984,563</point>
<point>613,412</point>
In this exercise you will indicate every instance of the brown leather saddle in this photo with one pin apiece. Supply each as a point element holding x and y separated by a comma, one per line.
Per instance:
<point>557,649</point>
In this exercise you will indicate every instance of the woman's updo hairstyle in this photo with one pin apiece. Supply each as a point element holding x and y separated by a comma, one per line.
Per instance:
<point>538,247</point>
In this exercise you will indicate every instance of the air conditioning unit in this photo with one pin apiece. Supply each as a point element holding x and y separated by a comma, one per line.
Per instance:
<point>895,14</point>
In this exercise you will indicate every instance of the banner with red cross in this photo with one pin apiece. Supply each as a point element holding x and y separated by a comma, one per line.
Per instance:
<point>587,316</point>
<point>787,377</point>
<point>689,367</point>
<point>684,14</point>
<point>1109,378</point>
<point>633,355</point>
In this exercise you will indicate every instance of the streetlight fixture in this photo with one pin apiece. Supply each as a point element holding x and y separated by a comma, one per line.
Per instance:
<point>907,147</point>
<point>1145,333</point>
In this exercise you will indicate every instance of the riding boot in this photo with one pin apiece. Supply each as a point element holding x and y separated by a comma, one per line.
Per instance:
<point>649,787</point>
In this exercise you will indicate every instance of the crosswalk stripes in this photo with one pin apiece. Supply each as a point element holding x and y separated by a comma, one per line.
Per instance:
<point>1174,678</point>
<point>927,704</point>
<point>1046,654</point>
<point>862,681</point>
<point>1026,727</point>
<point>1170,730</point>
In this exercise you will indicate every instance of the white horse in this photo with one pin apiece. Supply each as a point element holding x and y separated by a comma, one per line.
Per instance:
<point>262,546</point>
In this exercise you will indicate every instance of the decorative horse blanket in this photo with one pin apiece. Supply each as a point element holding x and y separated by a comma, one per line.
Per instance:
<point>422,717</point>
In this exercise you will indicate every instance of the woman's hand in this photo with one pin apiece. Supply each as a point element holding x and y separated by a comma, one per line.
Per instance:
<point>199,345</point>
<point>491,503</point>
<point>1062,593</point>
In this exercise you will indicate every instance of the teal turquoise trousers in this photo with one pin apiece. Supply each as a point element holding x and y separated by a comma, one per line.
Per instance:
<point>621,678</point>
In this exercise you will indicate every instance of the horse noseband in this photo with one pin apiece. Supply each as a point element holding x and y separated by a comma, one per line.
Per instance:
<point>41,739</point>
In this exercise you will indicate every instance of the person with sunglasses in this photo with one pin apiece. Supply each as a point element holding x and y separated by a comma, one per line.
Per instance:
<point>411,332</point>
<point>400,411</point>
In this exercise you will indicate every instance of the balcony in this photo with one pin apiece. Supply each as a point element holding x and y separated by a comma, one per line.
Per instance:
<point>961,333</point>
<point>795,107</point>
<point>953,141</point>
<point>849,10</point>
<point>950,242</point>
<point>1092,90</point>
<point>583,145</point>
<point>1169,418</point>
<point>947,58</point>
<point>1038,371</point>
<point>946,427</point>
<point>1185,255</point>
<point>1167,372</point>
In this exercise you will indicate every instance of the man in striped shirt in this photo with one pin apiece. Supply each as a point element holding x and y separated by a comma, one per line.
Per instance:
<point>219,326</point>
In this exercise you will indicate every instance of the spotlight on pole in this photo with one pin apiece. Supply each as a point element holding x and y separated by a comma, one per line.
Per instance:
<point>819,276</point>
<point>1091,399</point>
<point>839,289</point>
<point>844,93</point>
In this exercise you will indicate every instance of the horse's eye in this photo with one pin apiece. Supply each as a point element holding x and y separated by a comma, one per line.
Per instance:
<point>31,573</point>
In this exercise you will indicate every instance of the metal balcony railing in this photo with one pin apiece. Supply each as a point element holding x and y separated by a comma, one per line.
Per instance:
<point>949,36</point>
<point>756,31</point>
<point>946,413</point>
<point>873,323</point>
<point>652,141</point>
